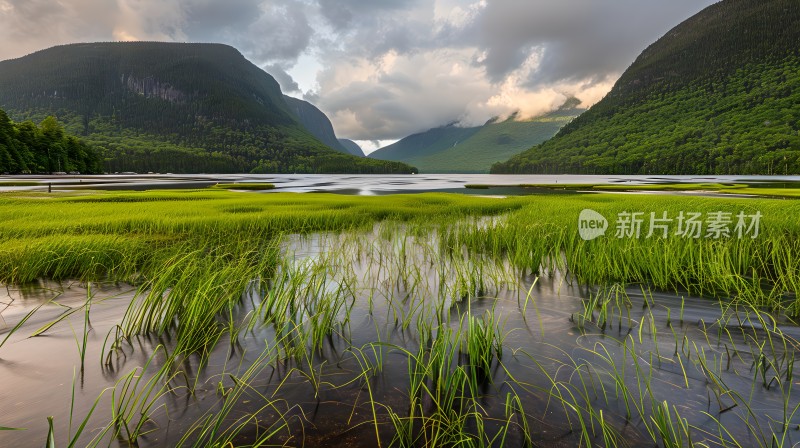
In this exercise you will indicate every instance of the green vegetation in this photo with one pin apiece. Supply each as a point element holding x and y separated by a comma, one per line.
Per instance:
<point>756,269</point>
<point>433,275</point>
<point>316,122</point>
<point>420,145</point>
<point>168,107</point>
<point>452,149</point>
<point>352,147</point>
<point>28,148</point>
<point>60,236</point>
<point>716,95</point>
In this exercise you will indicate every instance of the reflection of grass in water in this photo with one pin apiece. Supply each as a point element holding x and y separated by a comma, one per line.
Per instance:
<point>194,260</point>
<point>543,236</point>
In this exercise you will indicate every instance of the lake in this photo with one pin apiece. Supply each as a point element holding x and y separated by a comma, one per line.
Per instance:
<point>361,184</point>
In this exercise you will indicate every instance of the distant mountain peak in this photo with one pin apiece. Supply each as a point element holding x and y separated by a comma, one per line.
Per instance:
<point>452,148</point>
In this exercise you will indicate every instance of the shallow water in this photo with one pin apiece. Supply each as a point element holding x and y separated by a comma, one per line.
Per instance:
<point>386,283</point>
<point>365,184</point>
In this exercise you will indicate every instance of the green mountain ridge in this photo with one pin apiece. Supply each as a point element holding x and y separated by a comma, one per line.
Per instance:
<point>315,122</point>
<point>453,149</point>
<point>718,94</point>
<point>424,143</point>
<point>171,107</point>
<point>352,147</point>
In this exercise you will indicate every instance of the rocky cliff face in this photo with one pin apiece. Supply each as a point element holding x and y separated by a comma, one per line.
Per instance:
<point>150,87</point>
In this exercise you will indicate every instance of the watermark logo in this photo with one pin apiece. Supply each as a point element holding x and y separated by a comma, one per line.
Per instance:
<point>695,225</point>
<point>591,224</point>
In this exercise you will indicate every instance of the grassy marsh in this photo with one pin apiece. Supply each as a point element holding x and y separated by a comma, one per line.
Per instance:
<point>425,320</point>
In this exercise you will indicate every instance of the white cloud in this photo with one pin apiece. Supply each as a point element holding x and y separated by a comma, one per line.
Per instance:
<point>387,68</point>
<point>149,20</point>
<point>370,146</point>
<point>398,94</point>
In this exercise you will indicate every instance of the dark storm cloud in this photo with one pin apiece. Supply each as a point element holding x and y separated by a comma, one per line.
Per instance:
<point>32,16</point>
<point>385,68</point>
<point>370,29</point>
<point>579,38</point>
<point>214,18</point>
<point>288,85</point>
<point>514,55</point>
<point>30,25</point>
<point>341,14</point>
<point>280,34</point>
<point>266,30</point>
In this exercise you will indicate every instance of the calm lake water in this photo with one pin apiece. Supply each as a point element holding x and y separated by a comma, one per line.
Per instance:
<point>361,184</point>
<point>543,343</point>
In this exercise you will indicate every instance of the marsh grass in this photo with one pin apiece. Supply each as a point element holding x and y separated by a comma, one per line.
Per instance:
<point>194,289</point>
<point>761,271</point>
<point>20,323</point>
<point>224,424</point>
<point>200,258</point>
<point>484,344</point>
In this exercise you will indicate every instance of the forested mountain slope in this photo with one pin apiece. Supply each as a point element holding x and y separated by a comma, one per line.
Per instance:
<point>316,122</point>
<point>718,94</point>
<point>352,147</point>
<point>453,149</point>
<point>170,107</point>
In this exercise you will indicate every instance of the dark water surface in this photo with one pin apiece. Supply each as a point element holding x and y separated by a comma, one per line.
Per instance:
<point>365,184</point>
<point>662,335</point>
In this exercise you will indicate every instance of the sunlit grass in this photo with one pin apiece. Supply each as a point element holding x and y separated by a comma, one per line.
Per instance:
<point>422,262</point>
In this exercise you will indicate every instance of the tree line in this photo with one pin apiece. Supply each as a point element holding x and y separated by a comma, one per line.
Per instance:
<point>27,148</point>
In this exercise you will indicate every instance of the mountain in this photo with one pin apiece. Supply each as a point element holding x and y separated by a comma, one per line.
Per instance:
<point>352,147</point>
<point>718,94</point>
<point>420,145</point>
<point>316,122</point>
<point>453,149</point>
<point>174,107</point>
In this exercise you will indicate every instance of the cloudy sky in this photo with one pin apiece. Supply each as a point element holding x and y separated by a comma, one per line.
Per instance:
<point>383,69</point>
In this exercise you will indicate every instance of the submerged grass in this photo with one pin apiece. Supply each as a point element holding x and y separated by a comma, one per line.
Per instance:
<point>544,236</point>
<point>197,256</point>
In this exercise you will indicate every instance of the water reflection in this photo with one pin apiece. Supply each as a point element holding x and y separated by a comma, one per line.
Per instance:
<point>365,184</point>
<point>398,293</point>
